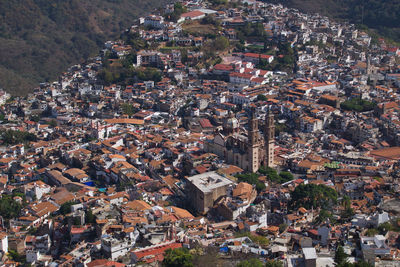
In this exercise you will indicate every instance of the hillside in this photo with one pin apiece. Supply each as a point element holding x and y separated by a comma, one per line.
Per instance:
<point>381,15</point>
<point>40,38</point>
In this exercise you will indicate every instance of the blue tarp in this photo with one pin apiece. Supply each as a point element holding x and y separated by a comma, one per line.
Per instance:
<point>224,249</point>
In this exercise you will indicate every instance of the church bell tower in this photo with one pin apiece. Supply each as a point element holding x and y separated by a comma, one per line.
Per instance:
<point>253,149</point>
<point>269,135</point>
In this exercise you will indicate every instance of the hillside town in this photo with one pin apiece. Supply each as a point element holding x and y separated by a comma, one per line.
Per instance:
<point>233,131</point>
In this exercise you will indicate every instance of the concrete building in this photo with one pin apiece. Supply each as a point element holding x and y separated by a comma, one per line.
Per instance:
<point>154,21</point>
<point>114,248</point>
<point>310,257</point>
<point>4,242</point>
<point>373,247</point>
<point>204,189</point>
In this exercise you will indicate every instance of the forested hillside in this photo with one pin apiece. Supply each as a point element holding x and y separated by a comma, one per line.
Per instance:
<point>380,15</point>
<point>40,38</point>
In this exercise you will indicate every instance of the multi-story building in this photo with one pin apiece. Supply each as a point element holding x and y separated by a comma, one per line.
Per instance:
<point>154,21</point>
<point>203,189</point>
<point>115,248</point>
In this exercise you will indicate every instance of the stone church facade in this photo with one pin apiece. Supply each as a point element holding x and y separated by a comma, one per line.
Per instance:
<point>249,149</point>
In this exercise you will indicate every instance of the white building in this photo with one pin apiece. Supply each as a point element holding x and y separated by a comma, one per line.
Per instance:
<point>241,78</point>
<point>32,256</point>
<point>241,99</point>
<point>114,248</point>
<point>154,21</point>
<point>310,124</point>
<point>37,189</point>
<point>4,242</point>
<point>3,97</point>
<point>373,247</point>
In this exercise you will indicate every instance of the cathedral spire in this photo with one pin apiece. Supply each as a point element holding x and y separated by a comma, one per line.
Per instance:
<point>253,127</point>
<point>253,149</point>
<point>269,134</point>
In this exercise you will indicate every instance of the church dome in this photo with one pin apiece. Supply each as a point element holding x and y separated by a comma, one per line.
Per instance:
<point>231,122</point>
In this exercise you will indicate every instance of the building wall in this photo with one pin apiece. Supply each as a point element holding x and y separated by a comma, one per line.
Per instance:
<point>241,160</point>
<point>311,263</point>
<point>32,256</point>
<point>201,201</point>
<point>4,244</point>
<point>114,250</point>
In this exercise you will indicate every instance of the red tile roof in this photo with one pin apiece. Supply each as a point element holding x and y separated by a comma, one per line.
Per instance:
<point>192,14</point>
<point>255,55</point>
<point>155,253</point>
<point>103,262</point>
<point>205,123</point>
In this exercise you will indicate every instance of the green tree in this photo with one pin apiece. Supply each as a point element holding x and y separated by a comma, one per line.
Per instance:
<point>148,74</point>
<point>106,76</point>
<point>272,175</point>
<point>9,208</point>
<point>15,256</point>
<point>11,137</point>
<point>313,196</point>
<point>89,217</point>
<point>280,127</point>
<point>340,256</point>
<point>129,60</point>
<point>263,64</point>
<point>210,19</point>
<point>346,201</point>
<point>128,109</point>
<point>53,123</point>
<point>274,263</point>
<point>262,97</point>
<point>218,2</point>
<point>282,227</point>
<point>258,239</point>
<point>348,212</point>
<point>65,208</point>
<point>358,104</point>
<point>372,232</point>
<point>383,228</point>
<point>136,42</point>
<point>286,176</point>
<point>362,264</point>
<point>35,118</point>
<point>179,257</point>
<point>323,216</point>
<point>76,221</point>
<point>221,43</point>
<point>251,178</point>
<point>253,262</point>
<point>179,9</point>
<point>258,30</point>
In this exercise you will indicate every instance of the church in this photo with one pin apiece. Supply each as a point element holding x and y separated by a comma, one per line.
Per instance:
<point>249,149</point>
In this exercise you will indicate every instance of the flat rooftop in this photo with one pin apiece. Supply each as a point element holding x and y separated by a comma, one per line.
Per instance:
<point>208,181</point>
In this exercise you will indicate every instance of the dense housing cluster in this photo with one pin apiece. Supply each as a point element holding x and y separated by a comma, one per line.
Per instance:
<point>240,130</point>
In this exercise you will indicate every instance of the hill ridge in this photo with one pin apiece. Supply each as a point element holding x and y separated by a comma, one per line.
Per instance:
<point>39,39</point>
